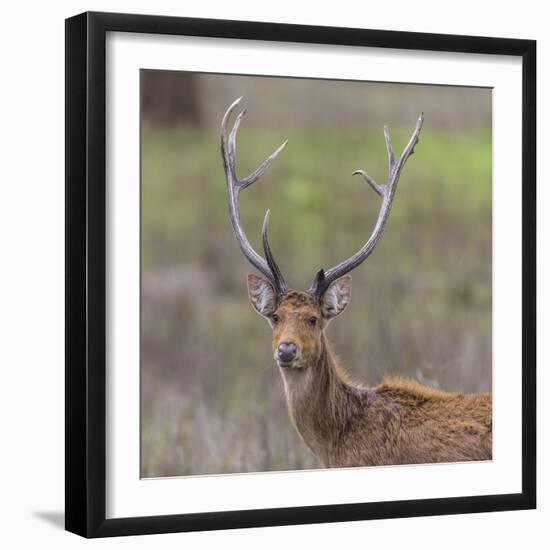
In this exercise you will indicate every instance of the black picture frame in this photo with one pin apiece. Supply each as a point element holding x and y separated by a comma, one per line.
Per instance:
<point>86,274</point>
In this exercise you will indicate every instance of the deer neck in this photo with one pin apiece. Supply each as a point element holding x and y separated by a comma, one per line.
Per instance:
<point>320,401</point>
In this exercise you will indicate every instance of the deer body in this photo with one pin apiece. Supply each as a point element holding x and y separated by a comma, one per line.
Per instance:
<point>346,424</point>
<point>396,422</point>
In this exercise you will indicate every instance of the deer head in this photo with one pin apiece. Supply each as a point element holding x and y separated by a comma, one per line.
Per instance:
<point>298,319</point>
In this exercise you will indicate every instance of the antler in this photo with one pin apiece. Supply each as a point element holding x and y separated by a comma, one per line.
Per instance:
<point>234,186</point>
<point>324,279</point>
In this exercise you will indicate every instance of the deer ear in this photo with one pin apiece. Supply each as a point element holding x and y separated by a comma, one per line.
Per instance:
<point>336,297</point>
<point>262,295</point>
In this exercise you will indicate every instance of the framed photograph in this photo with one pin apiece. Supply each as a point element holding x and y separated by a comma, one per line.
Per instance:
<point>209,384</point>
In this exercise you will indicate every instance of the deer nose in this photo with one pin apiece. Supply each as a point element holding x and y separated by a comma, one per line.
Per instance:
<point>286,351</point>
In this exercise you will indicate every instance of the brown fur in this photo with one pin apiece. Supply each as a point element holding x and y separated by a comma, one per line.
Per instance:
<point>397,422</point>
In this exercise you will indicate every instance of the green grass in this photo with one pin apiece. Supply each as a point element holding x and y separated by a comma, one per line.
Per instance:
<point>184,188</point>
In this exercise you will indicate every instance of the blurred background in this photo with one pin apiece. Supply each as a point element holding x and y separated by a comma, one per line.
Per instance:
<point>211,397</point>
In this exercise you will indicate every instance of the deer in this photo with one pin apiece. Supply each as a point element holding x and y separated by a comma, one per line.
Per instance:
<point>347,424</point>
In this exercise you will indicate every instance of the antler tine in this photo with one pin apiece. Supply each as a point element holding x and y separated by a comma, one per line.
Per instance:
<point>324,279</point>
<point>378,188</point>
<point>268,268</point>
<point>391,154</point>
<point>269,256</point>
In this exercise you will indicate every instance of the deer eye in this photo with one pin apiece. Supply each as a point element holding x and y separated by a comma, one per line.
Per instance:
<point>312,321</point>
<point>275,318</point>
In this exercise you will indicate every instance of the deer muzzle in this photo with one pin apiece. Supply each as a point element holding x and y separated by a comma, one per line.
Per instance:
<point>286,353</point>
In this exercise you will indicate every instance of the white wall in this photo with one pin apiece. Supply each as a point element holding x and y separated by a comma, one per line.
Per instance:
<point>32,264</point>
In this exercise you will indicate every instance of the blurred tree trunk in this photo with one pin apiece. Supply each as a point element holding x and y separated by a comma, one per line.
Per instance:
<point>170,98</point>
